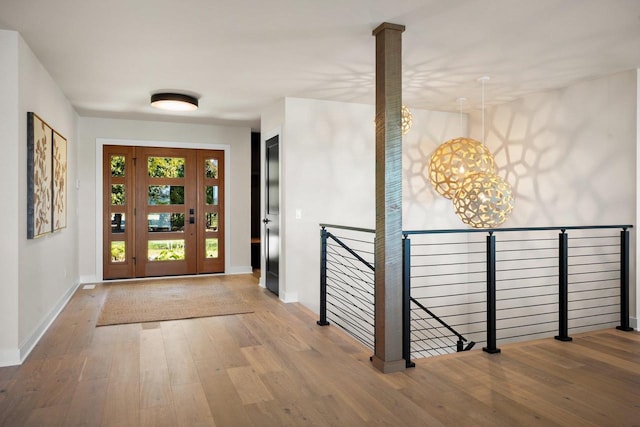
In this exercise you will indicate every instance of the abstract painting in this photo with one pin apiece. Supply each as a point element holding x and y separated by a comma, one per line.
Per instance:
<point>39,180</point>
<point>59,220</point>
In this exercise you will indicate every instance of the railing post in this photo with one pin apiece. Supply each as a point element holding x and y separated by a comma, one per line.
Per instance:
<point>323,278</point>
<point>624,281</point>
<point>563,287</point>
<point>406,301</point>
<point>491,295</point>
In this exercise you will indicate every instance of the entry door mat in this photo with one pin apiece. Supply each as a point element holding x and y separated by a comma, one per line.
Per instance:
<point>153,301</point>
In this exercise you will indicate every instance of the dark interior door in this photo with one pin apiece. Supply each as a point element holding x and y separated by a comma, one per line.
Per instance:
<point>272,215</point>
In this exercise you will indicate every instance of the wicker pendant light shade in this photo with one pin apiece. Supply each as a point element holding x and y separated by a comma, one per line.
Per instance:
<point>484,200</point>
<point>407,120</point>
<point>454,160</point>
<point>464,171</point>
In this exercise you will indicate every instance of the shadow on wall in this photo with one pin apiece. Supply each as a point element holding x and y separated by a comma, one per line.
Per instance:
<point>569,155</point>
<point>423,208</point>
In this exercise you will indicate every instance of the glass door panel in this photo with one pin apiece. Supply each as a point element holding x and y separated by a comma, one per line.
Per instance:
<point>211,204</point>
<point>166,242</point>
<point>118,203</point>
<point>118,252</point>
<point>164,211</point>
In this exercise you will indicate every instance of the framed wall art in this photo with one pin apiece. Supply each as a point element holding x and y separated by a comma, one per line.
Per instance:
<point>39,179</point>
<point>59,217</point>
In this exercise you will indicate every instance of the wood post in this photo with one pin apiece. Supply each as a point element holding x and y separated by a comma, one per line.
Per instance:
<point>388,242</point>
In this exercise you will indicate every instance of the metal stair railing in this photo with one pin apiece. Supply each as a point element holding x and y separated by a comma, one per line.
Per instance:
<point>347,282</point>
<point>521,286</point>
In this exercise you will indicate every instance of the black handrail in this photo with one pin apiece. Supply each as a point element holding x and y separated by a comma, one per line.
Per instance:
<point>438,319</point>
<point>351,251</point>
<point>344,227</point>
<point>496,230</point>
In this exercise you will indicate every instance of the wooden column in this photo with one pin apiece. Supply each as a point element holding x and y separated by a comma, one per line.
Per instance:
<point>388,243</point>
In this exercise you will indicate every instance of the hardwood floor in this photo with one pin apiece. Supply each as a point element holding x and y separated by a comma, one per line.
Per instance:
<point>276,367</point>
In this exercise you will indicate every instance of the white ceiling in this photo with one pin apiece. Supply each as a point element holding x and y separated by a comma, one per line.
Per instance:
<point>241,56</point>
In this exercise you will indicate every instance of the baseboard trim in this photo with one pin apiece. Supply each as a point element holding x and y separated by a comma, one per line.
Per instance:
<point>633,322</point>
<point>36,336</point>
<point>89,279</point>
<point>9,358</point>
<point>289,296</point>
<point>243,269</point>
<point>232,271</point>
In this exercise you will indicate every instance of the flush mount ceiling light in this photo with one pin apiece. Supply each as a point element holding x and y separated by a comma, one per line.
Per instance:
<point>174,102</point>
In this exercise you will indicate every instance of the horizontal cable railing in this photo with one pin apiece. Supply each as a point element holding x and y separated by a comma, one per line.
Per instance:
<point>347,281</point>
<point>468,286</point>
<point>447,275</point>
<point>432,336</point>
<point>525,284</point>
<point>594,276</point>
<point>347,296</point>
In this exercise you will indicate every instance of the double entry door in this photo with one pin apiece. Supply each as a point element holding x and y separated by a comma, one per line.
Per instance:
<point>163,211</point>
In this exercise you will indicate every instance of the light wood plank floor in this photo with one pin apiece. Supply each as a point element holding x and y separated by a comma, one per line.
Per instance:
<point>276,367</point>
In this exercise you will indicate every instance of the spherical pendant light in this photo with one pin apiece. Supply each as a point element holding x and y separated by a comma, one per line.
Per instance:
<point>484,200</point>
<point>455,159</point>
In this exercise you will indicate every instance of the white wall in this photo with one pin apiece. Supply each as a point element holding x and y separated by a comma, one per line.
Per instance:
<point>570,155</point>
<point>38,275</point>
<point>636,324</point>
<point>11,208</point>
<point>49,265</point>
<point>177,135</point>
<point>328,171</point>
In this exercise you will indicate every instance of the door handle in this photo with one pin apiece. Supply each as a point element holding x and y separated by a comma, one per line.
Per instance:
<point>266,221</point>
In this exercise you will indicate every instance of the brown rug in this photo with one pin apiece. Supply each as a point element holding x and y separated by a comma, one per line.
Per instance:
<point>137,302</point>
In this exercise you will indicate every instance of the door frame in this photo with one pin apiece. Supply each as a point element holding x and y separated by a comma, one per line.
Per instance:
<point>101,142</point>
